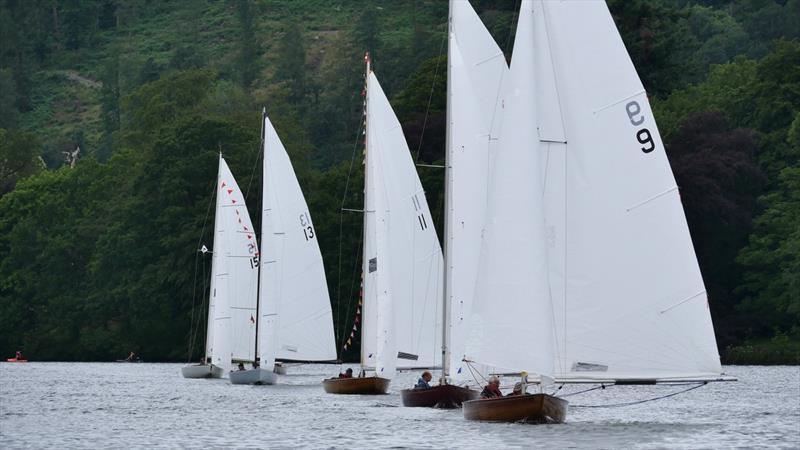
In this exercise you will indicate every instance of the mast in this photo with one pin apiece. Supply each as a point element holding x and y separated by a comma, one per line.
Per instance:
<point>447,209</point>
<point>364,261</point>
<point>212,284</point>
<point>260,227</point>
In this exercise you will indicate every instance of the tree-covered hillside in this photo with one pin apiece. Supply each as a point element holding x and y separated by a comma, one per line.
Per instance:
<point>98,247</point>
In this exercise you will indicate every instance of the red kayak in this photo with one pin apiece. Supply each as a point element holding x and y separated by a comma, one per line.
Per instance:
<point>16,360</point>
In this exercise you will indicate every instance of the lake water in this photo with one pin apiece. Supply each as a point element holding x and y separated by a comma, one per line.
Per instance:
<point>113,405</point>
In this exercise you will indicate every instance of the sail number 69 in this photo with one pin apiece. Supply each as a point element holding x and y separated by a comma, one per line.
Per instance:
<point>643,135</point>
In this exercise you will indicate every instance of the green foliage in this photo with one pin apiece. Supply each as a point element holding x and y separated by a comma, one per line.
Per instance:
<point>19,158</point>
<point>780,350</point>
<point>772,257</point>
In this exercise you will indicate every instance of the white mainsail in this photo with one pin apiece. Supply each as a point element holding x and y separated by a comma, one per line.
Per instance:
<point>511,322</point>
<point>629,297</point>
<point>235,274</point>
<point>477,67</point>
<point>296,322</point>
<point>402,255</point>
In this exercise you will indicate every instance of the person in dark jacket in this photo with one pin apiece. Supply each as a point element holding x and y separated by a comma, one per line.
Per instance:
<point>492,389</point>
<point>424,380</point>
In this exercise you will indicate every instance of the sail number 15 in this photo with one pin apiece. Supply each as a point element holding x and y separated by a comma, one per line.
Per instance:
<point>642,135</point>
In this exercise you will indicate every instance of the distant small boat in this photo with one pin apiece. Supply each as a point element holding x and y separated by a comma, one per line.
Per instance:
<point>16,360</point>
<point>530,408</point>
<point>137,360</point>
<point>363,385</point>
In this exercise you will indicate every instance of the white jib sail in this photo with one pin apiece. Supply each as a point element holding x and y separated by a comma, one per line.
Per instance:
<point>629,297</point>
<point>511,324</point>
<point>477,68</point>
<point>296,319</point>
<point>236,274</point>
<point>402,258</point>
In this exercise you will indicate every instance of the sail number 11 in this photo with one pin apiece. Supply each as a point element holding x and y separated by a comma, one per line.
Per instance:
<point>643,135</point>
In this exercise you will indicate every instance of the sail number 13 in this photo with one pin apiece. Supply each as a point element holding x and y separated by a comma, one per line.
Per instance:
<point>642,135</point>
<point>308,229</point>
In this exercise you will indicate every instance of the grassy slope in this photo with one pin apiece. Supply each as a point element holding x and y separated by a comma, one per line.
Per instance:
<point>67,91</point>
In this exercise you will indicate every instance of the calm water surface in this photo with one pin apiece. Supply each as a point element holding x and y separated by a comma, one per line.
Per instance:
<point>79,405</point>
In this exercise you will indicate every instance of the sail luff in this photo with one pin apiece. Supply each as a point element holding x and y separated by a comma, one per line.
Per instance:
<point>271,253</point>
<point>212,283</point>
<point>448,202</point>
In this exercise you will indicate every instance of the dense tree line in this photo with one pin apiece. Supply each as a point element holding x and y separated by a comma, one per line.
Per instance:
<point>101,258</point>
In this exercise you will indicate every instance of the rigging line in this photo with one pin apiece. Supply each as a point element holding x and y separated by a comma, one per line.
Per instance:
<point>616,405</point>
<point>430,95</point>
<point>602,386</point>
<point>341,221</point>
<point>469,366</point>
<point>192,329</point>
<point>255,163</point>
<point>192,334</point>
<point>350,302</point>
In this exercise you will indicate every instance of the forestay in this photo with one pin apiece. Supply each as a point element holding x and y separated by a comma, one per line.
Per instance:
<point>477,67</point>
<point>235,273</point>
<point>629,298</point>
<point>402,256</point>
<point>511,321</point>
<point>296,321</point>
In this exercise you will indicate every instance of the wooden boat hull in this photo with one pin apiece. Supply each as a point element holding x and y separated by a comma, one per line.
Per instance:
<point>445,396</point>
<point>16,360</point>
<point>201,371</point>
<point>535,408</point>
<point>362,386</point>
<point>257,376</point>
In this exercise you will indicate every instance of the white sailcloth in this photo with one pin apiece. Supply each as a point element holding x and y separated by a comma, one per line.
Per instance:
<point>511,323</point>
<point>235,275</point>
<point>402,256</point>
<point>629,297</point>
<point>477,68</point>
<point>296,322</point>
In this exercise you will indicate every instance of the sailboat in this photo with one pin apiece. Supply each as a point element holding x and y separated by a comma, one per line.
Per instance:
<point>608,289</point>
<point>476,67</point>
<point>294,318</point>
<point>232,297</point>
<point>402,260</point>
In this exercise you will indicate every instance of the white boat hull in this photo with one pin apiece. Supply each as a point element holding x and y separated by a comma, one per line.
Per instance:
<point>201,371</point>
<point>253,376</point>
<point>280,369</point>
